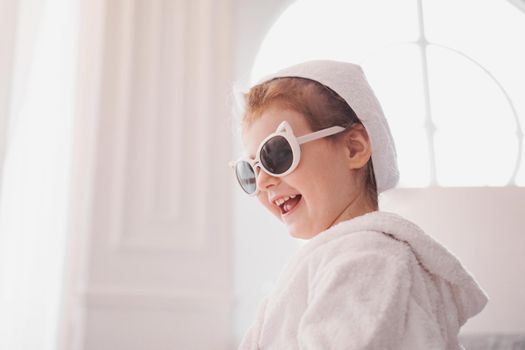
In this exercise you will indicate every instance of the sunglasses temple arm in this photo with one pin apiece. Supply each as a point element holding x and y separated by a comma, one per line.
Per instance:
<point>320,134</point>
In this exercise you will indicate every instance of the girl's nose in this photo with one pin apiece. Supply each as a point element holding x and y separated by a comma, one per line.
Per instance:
<point>265,180</point>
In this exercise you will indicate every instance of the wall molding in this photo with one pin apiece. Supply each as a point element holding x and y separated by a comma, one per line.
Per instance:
<point>159,299</point>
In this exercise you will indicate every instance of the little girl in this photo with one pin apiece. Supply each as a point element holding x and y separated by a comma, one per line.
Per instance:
<point>319,151</point>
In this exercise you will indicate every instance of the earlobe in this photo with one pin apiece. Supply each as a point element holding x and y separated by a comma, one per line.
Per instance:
<point>358,148</point>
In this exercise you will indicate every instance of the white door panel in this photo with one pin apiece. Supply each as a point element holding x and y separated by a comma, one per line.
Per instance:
<point>157,245</point>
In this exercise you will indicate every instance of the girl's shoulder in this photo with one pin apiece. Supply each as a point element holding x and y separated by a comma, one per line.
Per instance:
<point>357,247</point>
<point>376,232</point>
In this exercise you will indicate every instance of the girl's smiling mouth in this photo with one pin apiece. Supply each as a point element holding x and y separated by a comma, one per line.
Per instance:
<point>288,204</point>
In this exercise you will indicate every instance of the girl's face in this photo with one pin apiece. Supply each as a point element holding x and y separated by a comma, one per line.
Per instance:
<point>324,184</point>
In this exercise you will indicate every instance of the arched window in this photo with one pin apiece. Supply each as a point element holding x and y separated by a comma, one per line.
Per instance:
<point>449,75</point>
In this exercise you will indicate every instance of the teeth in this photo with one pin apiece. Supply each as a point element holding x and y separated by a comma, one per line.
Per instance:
<point>280,201</point>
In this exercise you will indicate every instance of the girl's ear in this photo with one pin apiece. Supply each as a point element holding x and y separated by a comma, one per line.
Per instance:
<point>357,146</point>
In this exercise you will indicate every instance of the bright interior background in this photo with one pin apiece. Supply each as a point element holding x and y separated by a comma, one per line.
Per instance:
<point>35,178</point>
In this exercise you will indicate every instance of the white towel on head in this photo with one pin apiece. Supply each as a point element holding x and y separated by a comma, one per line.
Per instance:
<point>374,282</point>
<point>349,82</point>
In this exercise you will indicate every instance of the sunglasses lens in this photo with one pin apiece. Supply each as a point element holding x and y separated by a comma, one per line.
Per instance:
<point>245,176</point>
<point>276,155</point>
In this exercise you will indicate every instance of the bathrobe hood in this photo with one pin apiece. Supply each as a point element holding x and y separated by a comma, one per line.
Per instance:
<point>469,298</point>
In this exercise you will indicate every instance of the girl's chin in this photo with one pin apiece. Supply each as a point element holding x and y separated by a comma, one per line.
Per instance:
<point>297,232</point>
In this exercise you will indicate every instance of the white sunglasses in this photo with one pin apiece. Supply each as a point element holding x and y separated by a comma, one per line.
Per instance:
<point>278,155</point>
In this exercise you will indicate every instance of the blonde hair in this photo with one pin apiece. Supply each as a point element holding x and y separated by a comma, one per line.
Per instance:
<point>321,106</point>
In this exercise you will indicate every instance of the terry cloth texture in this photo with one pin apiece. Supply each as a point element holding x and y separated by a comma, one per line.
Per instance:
<point>376,281</point>
<point>348,81</point>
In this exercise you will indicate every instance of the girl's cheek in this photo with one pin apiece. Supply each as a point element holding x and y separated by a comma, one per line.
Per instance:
<point>264,201</point>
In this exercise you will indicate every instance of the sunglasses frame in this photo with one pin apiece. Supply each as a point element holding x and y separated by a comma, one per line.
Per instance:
<point>283,130</point>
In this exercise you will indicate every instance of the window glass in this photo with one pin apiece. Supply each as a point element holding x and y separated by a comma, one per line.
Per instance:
<point>449,75</point>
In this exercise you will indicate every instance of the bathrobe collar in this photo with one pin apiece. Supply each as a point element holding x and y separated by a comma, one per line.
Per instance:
<point>434,257</point>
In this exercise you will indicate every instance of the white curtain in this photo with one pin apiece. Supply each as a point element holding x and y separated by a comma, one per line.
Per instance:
<point>36,115</point>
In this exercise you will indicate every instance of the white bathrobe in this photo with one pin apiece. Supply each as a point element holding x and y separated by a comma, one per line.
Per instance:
<point>376,281</point>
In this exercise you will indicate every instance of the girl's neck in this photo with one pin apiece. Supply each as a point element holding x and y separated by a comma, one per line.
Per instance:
<point>357,207</point>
